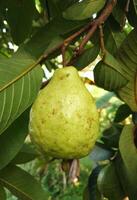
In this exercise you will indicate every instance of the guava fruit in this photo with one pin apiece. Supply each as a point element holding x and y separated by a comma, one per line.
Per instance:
<point>63,119</point>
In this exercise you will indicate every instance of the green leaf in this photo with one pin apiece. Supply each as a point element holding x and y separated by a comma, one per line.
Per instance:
<point>108,77</point>
<point>2,193</point>
<point>19,85</point>
<point>83,9</point>
<point>91,191</point>
<point>116,38</point>
<point>132,13</point>
<point>128,152</point>
<point>111,135</point>
<point>57,28</point>
<point>108,183</point>
<point>57,6</point>
<point>22,184</point>
<point>13,138</point>
<point>127,56</point>
<point>19,15</point>
<point>122,113</point>
<point>26,154</point>
<point>119,12</point>
<point>88,56</point>
<point>135,5</point>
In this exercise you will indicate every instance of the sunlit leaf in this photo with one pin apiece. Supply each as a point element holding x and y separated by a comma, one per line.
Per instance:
<point>13,138</point>
<point>22,184</point>
<point>19,85</point>
<point>83,9</point>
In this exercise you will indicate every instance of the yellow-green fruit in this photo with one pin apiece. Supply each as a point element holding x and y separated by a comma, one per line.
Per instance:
<point>64,119</point>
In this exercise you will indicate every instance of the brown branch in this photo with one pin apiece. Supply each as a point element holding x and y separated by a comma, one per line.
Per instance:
<point>70,39</point>
<point>102,45</point>
<point>99,21</point>
<point>92,26</point>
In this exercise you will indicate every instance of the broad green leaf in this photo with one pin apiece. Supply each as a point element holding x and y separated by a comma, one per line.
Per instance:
<point>83,9</point>
<point>19,15</point>
<point>87,57</point>
<point>108,77</point>
<point>128,152</point>
<point>91,191</point>
<point>57,6</point>
<point>122,113</point>
<point>56,28</point>
<point>120,170</point>
<point>119,12</point>
<point>26,154</point>
<point>22,184</point>
<point>13,138</point>
<point>2,193</point>
<point>135,5</point>
<point>19,85</point>
<point>124,82</point>
<point>132,13</point>
<point>116,38</point>
<point>127,56</point>
<point>110,136</point>
<point>108,183</point>
<point>53,9</point>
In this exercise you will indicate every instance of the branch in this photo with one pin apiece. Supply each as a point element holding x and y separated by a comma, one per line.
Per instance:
<point>92,27</point>
<point>99,21</point>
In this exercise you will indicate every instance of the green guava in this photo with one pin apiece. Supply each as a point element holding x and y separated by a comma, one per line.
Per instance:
<point>64,120</point>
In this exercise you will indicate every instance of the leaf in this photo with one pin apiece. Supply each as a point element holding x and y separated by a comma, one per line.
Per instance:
<point>57,28</point>
<point>2,193</point>
<point>132,13</point>
<point>19,15</point>
<point>122,113</point>
<point>116,38</point>
<point>119,12</point>
<point>128,152</point>
<point>108,183</point>
<point>88,56</point>
<point>19,85</point>
<point>91,192</point>
<point>110,136</point>
<point>26,154</point>
<point>13,138</point>
<point>83,9</point>
<point>127,56</point>
<point>108,77</point>
<point>57,6</point>
<point>22,184</point>
<point>135,5</point>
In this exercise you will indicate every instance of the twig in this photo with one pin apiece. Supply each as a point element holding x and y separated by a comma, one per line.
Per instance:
<point>94,25</point>
<point>102,45</point>
<point>99,21</point>
<point>70,39</point>
<point>123,21</point>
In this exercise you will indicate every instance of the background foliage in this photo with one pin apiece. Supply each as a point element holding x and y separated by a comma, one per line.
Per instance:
<point>50,34</point>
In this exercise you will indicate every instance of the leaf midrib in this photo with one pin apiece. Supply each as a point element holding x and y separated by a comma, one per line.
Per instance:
<point>32,66</point>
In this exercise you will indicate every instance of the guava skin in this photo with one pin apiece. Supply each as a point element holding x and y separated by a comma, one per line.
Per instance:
<point>64,120</point>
